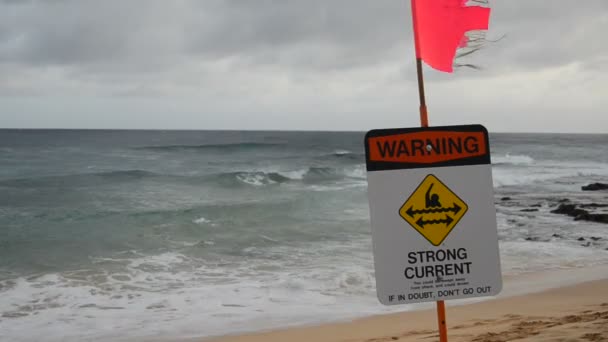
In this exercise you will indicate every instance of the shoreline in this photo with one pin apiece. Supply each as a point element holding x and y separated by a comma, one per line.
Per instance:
<point>547,297</point>
<point>572,313</point>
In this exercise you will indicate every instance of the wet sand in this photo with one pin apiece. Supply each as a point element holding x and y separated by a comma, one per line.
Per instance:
<point>570,313</point>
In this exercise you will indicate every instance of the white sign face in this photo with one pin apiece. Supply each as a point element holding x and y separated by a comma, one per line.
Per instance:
<point>432,214</point>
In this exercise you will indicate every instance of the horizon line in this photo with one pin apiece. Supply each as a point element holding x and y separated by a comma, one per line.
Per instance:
<point>252,130</point>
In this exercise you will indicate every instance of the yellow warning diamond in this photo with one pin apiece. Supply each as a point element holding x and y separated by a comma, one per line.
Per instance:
<point>433,210</point>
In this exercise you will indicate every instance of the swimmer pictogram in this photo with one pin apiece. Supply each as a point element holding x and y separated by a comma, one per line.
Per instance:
<point>433,210</point>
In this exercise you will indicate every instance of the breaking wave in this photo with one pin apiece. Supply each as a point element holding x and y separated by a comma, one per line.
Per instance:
<point>309,175</point>
<point>344,155</point>
<point>513,159</point>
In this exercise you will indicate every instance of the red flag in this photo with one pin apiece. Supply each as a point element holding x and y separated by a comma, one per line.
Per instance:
<point>440,27</point>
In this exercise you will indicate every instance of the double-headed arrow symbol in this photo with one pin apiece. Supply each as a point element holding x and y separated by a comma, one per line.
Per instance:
<point>447,220</point>
<point>455,209</point>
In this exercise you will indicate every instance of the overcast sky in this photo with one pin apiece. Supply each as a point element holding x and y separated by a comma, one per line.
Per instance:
<point>303,65</point>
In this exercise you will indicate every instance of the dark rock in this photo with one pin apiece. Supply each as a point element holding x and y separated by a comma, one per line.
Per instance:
<point>580,214</point>
<point>529,210</point>
<point>570,210</point>
<point>586,244</point>
<point>532,238</point>
<point>538,205</point>
<point>563,200</point>
<point>581,239</point>
<point>600,218</point>
<point>564,209</point>
<point>593,205</point>
<point>505,199</point>
<point>557,236</point>
<point>595,238</point>
<point>595,187</point>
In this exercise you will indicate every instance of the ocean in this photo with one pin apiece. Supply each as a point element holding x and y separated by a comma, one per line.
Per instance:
<point>129,235</point>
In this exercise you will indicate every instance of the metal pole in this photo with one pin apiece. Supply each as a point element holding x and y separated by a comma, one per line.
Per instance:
<point>424,119</point>
<point>443,329</point>
<point>424,122</point>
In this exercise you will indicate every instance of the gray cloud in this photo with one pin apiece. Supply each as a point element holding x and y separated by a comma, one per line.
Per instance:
<point>311,34</point>
<point>231,54</point>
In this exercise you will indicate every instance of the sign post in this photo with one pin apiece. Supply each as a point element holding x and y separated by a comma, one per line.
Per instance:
<point>430,189</point>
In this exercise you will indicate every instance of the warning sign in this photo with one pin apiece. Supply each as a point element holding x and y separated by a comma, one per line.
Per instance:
<point>433,210</point>
<point>432,214</point>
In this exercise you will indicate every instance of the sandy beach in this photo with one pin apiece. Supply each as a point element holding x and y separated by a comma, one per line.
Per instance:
<point>571,313</point>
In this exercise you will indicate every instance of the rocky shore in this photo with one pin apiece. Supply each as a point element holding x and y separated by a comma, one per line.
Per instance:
<point>577,208</point>
<point>584,211</point>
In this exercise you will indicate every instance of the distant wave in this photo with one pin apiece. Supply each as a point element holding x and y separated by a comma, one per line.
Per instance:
<point>254,178</point>
<point>345,155</point>
<point>230,146</point>
<point>512,159</point>
<point>311,175</point>
<point>261,178</point>
<point>79,179</point>
<point>567,173</point>
<point>341,152</point>
<point>126,174</point>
